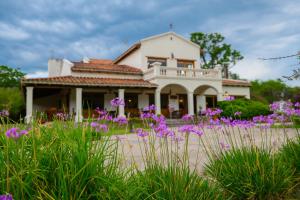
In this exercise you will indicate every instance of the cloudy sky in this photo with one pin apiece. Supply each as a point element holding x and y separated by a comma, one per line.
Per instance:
<point>34,30</point>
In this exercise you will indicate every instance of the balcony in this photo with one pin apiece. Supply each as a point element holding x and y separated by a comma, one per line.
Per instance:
<point>175,72</point>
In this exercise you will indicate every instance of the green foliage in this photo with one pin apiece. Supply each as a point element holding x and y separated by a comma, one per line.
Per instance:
<point>214,51</point>
<point>12,100</point>
<point>10,77</point>
<point>291,154</point>
<point>60,162</point>
<point>248,108</point>
<point>171,182</point>
<point>273,90</point>
<point>251,173</point>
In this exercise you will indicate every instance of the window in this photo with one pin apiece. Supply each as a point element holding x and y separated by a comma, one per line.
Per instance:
<point>152,60</point>
<point>185,64</point>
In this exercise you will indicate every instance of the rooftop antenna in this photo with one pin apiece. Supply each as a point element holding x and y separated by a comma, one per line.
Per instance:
<point>171,26</point>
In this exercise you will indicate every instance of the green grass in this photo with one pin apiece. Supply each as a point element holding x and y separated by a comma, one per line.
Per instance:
<point>252,173</point>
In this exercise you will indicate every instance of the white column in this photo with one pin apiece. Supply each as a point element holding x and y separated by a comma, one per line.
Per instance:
<point>78,117</point>
<point>29,104</point>
<point>121,107</point>
<point>157,101</point>
<point>201,102</point>
<point>219,97</point>
<point>143,100</point>
<point>191,103</point>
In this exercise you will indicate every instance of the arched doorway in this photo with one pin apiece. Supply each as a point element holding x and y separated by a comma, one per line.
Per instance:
<point>173,99</point>
<point>205,96</point>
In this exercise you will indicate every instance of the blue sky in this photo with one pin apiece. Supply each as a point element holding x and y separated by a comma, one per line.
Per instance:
<point>34,30</point>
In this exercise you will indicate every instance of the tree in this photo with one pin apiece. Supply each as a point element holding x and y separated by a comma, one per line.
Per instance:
<point>10,77</point>
<point>273,90</point>
<point>215,52</point>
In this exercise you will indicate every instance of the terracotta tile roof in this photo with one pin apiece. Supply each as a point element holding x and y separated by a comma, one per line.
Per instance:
<point>231,82</point>
<point>106,66</point>
<point>88,81</point>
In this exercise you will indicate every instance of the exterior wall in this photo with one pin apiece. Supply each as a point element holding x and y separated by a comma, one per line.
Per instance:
<point>143,101</point>
<point>59,67</point>
<point>164,47</point>
<point>134,59</point>
<point>189,84</point>
<point>237,91</point>
<point>107,75</point>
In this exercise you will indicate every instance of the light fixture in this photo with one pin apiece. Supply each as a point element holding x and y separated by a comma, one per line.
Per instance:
<point>129,100</point>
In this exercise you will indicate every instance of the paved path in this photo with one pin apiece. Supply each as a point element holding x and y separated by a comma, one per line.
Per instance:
<point>133,147</point>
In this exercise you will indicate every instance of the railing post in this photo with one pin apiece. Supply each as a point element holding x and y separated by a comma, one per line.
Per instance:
<point>156,68</point>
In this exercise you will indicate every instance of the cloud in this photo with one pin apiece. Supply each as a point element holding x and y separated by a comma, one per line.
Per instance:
<point>11,32</point>
<point>58,26</point>
<point>37,74</point>
<point>255,69</point>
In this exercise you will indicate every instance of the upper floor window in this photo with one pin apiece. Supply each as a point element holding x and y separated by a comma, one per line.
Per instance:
<point>185,64</point>
<point>152,60</point>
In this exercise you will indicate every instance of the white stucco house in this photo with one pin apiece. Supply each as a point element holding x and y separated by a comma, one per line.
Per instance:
<point>164,70</point>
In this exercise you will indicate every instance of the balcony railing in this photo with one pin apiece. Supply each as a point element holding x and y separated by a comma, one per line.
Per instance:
<point>160,71</point>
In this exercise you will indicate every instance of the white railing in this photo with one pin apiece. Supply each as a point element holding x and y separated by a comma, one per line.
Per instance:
<point>161,71</point>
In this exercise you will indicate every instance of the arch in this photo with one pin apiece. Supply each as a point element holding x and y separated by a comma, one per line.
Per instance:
<point>202,88</point>
<point>163,87</point>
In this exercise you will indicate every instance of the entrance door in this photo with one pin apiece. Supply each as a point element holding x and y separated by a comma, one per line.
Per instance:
<point>211,101</point>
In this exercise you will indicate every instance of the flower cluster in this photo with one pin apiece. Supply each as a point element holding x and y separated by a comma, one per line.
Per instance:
<point>141,132</point>
<point>6,197</point>
<point>229,98</point>
<point>15,133</point>
<point>190,129</point>
<point>99,127</point>
<point>61,116</point>
<point>4,113</point>
<point>117,102</point>
<point>120,120</point>
<point>213,112</point>
<point>187,117</point>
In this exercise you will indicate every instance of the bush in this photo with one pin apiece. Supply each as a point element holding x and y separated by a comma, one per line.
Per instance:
<point>247,107</point>
<point>251,173</point>
<point>12,100</point>
<point>172,182</point>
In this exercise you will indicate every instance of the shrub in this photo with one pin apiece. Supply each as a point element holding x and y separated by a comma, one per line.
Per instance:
<point>12,100</point>
<point>251,173</point>
<point>172,182</point>
<point>248,108</point>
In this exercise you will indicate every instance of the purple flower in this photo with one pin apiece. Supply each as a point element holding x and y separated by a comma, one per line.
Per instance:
<point>120,120</point>
<point>141,133</point>
<point>146,115</point>
<point>229,98</point>
<point>187,117</point>
<point>177,138</point>
<point>6,197</point>
<point>297,104</point>
<point>117,102</point>
<point>274,106</point>
<point>190,129</point>
<point>213,112</point>
<point>94,124</point>
<point>238,113</point>
<point>149,108</point>
<point>224,146</point>
<point>15,133</point>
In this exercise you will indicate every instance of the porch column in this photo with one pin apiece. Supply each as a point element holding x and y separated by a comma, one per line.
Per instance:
<point>157,101</point>
<point>29,104</point>
<point>121,107</point>
<point>78,117</point>
<point>191,103</point>
<point>219,97</point>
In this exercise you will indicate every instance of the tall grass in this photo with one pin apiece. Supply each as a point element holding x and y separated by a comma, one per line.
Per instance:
<point>251,173</point>
<point>60,161</point>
